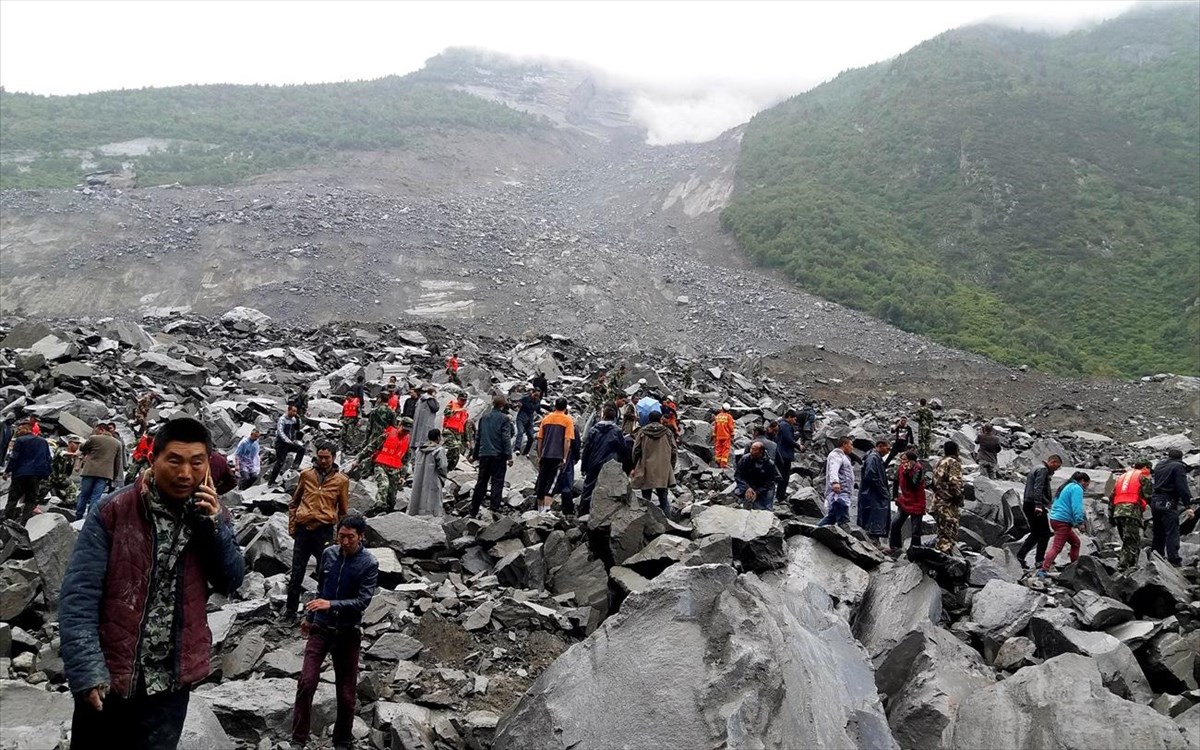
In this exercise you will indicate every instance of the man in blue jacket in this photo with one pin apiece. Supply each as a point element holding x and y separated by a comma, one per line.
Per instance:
<point>604,442</point>
<point>346,583</point>
<point>785,452</point>
<point>28,463</point>
<point>492,450</point>
<point>1171,493</point>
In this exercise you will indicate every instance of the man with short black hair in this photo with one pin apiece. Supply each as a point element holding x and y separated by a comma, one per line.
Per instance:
<point>1131,495</point>
<point>346,580</point>
<point>874,497</point>
<point>785,452</point>
<point>554,438</point>
<point>1036,507</point>
<point>988,454</point>
<point>948,497</point>
<point>103,461</point>
<point>1170,494</point>
<point>605,442</point>
<point>492,450</point>
<point>29,464</point>
<point>247,459</point>
<point>287,441</point>
<point>754,478</point>
<point>132,611</point>
<point>321,499</point>
<point>527,410</point>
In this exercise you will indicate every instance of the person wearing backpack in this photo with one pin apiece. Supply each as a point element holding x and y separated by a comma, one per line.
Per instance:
<point>910,502</point>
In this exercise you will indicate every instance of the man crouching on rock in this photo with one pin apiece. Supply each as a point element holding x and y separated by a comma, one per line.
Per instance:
<point>346,582</point>
<point>132,615</point>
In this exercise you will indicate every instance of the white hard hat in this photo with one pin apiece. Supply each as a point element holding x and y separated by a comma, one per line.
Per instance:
<point>725,406</point>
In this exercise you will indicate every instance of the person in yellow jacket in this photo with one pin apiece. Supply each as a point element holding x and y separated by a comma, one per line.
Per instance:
<point>722,436</point>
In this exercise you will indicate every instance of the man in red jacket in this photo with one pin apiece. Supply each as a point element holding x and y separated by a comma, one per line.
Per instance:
<point>132,617</point>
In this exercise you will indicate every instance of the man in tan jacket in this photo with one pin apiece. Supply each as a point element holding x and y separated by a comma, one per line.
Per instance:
<point>103,463</point>
<point>321,499</point>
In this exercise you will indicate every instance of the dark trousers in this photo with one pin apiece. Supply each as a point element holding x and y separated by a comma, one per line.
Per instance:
<point>663,501</point>
<point>490,482</point>
<point>898,449</point>
<point>1165,539</point>
<point>898,525</point>
<point>839,513</point>
<point>343,646</point>
<point>24,492</point>
<point>140,722</point>
<point>547,474</point>
<point>785,474</point>
<point>246,481</point>
<point>1039,535</point>
<point>308,543</point>
<point>281,453</point>
<point>524,430</point>
<point>589,486</point>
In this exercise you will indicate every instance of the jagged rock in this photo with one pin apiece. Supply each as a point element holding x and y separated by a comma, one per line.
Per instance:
<point>479,617</point>
<point>988,532</point>
<point>714,549</point>
<point>844,544</point>
<point>172,369</point>
<point>202,729</point>
<point>1043,706</point>
<point>406,534</point>
<point>1153,589</point>
<point>505,527</point>
<point>1002,610</point>
<point>244,657</point>
<point>620,528</point>
<point>1135,633</point>
<point>19,586</point>
<point>661,553</point>
<point>810,562</point>
<point>947,570</point>
<point>52,348</point>
<point>627,581</point>
<point>925,678</point>
<point>394,646</point>
<point>665,671</point>
<point>1098,612</point>
<point>1162,443</point>
<point>127,332</point>
<point>245,319</point>
<point>901,598</point>
<point>1189,723</point>
<point>522,569</point>
<point>583,575</point>
<point>270,551</point>
<point>479,729</point>
<point>1170,662</point>
<point>251,710</point>
<point>285,661</point>
<point>52,538</point>
<point>1119,669</point>
<point>1088,574</point>
<point>31,717</point>
<point>1016,653</point>
<point>757,534</point>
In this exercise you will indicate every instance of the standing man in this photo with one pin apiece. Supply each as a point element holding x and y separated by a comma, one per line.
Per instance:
<point>29,463</point>
<point>248,460</point>
<point>604,442</point>
<point>454,425</point>
<point>874,498</point>
<point>785,452</point>
<point>349,432</point>
<point>387,456</point>
<point>527,410</point>
<point>629,416</point>
<point>426,417</point>
<point>1170,494</point>
<point>102,460</point>
<point>409,408</point>
<point>554,438</point>
<point>347,575</point>
<point>902,438</point>
<point>654,457</point>
<point>754,478</point>
<point>429,476</point>
<point>839,481</point>
<point>722,433</point>
<point>948,497</point>
<point>1131,496</point>
<point>132,617</point>
<point>62,484</point>
<point>493,452</point>
<point>808,423</point>
<point>287,440</point>
<point>1036,507</point>
<point>141,411</point>
<point>925,429</point>
<point>910,502</point>
<point>321,499</point>
<point>989,450</point>
<point>452,367</point>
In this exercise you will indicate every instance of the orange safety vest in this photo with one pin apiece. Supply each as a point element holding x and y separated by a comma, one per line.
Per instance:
<point>394,401</point>
<point>394,447</point>
<point>141,451</point>
<point>723,426</point>
<point>457,421</point>
<point>350,407</point>
<point>1129,486</point>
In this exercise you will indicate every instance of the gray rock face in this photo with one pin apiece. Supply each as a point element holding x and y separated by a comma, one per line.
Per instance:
<point>1059,704</point>
<point>757,534</point>
<point>680,648</point>
<point>202,729</point>
<point>845,544</point>
<point>52,538</point>
<point>1002,610</point>
<point>1016,653</point>
<point>583,575</point>
<point>810,562</point>
<point>31,717</point>
<point>253,709</point>
<point>925,677</point>
<point>661,553</point>
<point>394,647</point>
<point>406,534</point>
<point>1119,670</point>
<point>1155,589</point>
<point>1100,612</point>
<point>1171,663</point>
<point>169,368</point>
<point>620,527</point>
<point>19,586</point>
<point>270,551</point>
<point>900,598</point>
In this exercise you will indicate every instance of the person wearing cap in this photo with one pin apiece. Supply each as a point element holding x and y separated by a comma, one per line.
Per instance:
<point>387,454</point>
<point>426,417</point>
<point>722,433</point>
<point>29,463</point>
<point>1131,496</point>
<point>1170,494</point>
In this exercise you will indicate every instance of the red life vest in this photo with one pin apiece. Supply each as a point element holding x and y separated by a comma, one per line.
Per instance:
<point>141,452</point>
<point>34,427</point>
<point>350,407</point>
<point>394,401</point>
<point>1128,488</point>
<point>452,364</point>
<point>394,447</point>
<point>457,420</point>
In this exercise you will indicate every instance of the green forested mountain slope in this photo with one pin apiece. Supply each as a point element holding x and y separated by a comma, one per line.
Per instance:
<point>1028,197</point>
<point>228,132</point>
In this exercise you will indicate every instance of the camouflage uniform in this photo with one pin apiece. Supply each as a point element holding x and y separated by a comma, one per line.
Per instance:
<point>350,434</point>
<point>61,484</point>
<point>380,418</point>
<point>171,535</point>
<point>1128,519</point>
<point>925,431</point>
<point>599,392</point>
<point>948,501</point>
<point>387,483</point>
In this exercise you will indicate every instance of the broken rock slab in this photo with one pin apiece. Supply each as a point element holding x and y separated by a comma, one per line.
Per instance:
<point>757,534</point>
<point>1002,610</point>
<point>1046,707</point>
<point>1119,669</point>
<point>901,598</point>
<point>52,538</point>
<point>662,673</point>
<point>251,710</point>
<point>31,717</point>
<point>1154,589</point>
<point>1098,612</point>
<point>406,534</point>
<point>843,543</point>
<point>809,562</point>
<point>202,729</point>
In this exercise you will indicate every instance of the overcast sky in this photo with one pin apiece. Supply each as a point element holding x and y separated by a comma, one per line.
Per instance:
<point>705,66</point>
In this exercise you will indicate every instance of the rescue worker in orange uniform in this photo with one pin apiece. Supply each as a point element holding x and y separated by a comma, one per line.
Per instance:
<point>387,454</point>
<point>455,423</point>
<point>1130,498</point>
<point>722,436</point>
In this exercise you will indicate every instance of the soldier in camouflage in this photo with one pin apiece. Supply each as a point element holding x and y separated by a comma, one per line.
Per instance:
<point>924,429</point>
<point>455,423</point>
<point>948,497</point>
<point>380,418</point>
<point>62,468</point>
<point>1131,496</point>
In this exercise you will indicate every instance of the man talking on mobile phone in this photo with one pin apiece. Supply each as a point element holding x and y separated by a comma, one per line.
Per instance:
<point>135,635</point>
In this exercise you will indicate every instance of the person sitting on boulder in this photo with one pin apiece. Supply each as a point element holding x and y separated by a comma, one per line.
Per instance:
<point>755,475</point>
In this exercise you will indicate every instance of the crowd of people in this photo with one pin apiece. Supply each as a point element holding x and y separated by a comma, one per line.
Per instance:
<point>156,540</point>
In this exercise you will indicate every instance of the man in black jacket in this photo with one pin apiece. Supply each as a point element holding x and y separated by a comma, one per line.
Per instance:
<point>755,478</point>
<point>346,584</point>
<point>493,452</point>
<point>604,442</point>
<point>29,464</point>
<point>1170,494</point>
<point>1036,506</point>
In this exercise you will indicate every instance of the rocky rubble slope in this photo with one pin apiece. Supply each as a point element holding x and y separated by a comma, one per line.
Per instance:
<point>714,627</point>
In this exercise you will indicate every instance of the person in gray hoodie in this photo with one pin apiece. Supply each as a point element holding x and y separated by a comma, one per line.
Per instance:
<point>430,468</point>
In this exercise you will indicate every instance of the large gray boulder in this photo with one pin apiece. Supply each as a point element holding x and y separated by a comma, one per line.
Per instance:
<point>924,678</point>
<point>270,551</point>
<point>250,710</point>
<point>202,729</point>
<point>757,534</point>
<point>900,598</point>
<point>407,535</point>
<point>1061,704</point>
<point>705,658</point>
<point>52,538</point>
<point>1119,670</point>
<point>169,368</point>
<point>31,717</point>
<point>620,526</point>
<point>1002,610</point>
<point>1171,663</point>
<point>1154,589</point>
<point>809,562</point>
